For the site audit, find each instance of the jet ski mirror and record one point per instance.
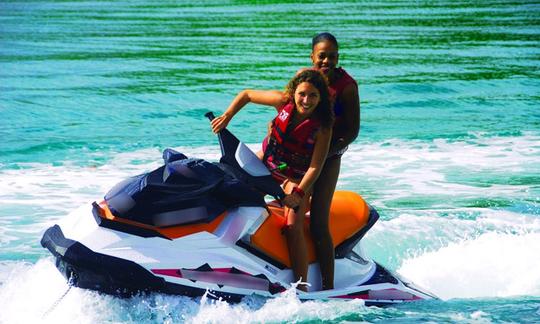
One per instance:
(240, 161)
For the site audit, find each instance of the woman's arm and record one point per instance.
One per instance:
(351, 117)
(322, 143)
(272, 98)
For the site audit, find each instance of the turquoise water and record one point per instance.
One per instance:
(449, 149)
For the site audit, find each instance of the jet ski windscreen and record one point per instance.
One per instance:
(244, 164)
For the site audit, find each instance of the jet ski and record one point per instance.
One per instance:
(193, 227)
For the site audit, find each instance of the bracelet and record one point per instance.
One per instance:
(298, 191)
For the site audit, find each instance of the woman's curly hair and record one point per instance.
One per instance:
(324, 111)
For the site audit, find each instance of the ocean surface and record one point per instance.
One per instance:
(91, 92)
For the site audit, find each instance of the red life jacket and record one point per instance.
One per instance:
(336, 90)
(294, 147)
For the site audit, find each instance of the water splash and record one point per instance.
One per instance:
(84, 306)
(491, 265)
(285, 308)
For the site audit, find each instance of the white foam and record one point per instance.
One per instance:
(29, 293)
(28, 290)
(398, 168)
(493, 264)
(410, 235)
(285, 308)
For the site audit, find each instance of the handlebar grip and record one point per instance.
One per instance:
(210, 115)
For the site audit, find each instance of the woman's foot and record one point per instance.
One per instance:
(303, 287)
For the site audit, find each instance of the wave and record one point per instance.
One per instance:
(485, 172)
(491, 265)
(45, 303)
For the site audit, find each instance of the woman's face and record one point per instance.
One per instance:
(306, 98)
(325, 57)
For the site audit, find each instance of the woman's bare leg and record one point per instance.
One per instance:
(323, 191)
(296, 243)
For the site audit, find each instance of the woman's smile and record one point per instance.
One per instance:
(306, 97)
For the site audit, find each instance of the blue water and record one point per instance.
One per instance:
(449, 149)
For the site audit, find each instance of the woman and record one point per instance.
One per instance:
(325, 57)
(295, 149)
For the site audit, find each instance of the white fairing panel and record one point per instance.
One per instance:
(218, 250)
(250, 162)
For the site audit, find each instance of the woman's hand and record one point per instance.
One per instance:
(292, 200)
(220, 122)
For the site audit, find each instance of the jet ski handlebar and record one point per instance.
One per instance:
(245, 164)
(210, 115)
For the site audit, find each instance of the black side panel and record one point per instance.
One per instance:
(346, 246)
(112, 275)
(97, 271)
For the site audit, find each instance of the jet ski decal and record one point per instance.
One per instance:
(230, 277)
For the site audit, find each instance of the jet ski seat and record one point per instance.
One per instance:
(105, 218)
(180, 217)
(349, 214)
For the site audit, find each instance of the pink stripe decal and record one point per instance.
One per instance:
(176, 272)
(167, 272)
(352, 296)
(228, 270)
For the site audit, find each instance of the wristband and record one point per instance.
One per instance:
(298, 191)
